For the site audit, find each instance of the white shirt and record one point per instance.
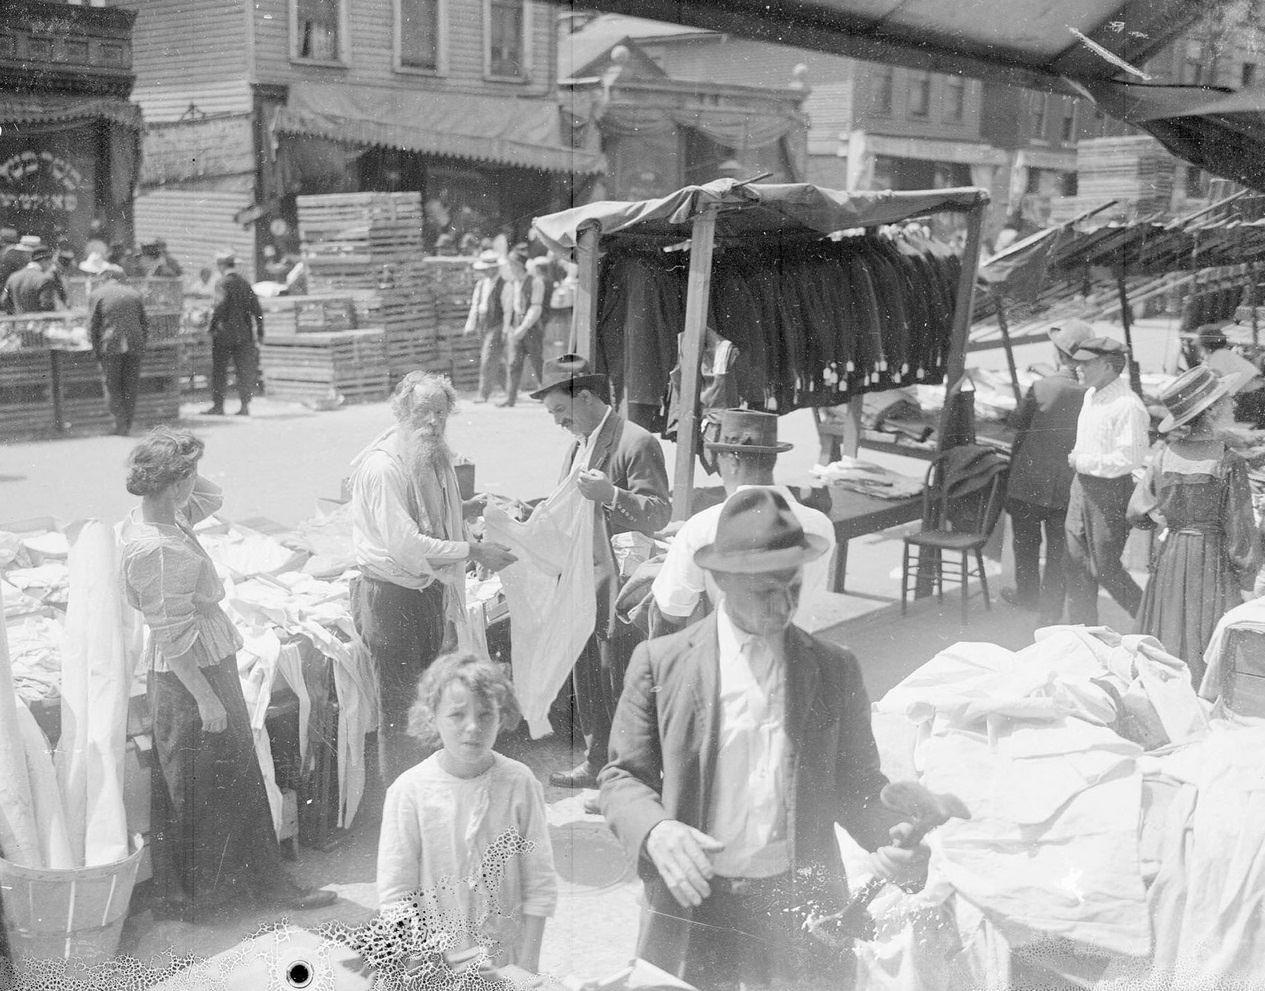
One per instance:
(390, 542)
(1111, 432)
(680, 581)
(585, 456)
(748, 812)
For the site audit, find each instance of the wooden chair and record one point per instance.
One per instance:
(948, 546)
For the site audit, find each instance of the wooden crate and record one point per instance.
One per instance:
(333, 207)
(321, 367)
(288, 315)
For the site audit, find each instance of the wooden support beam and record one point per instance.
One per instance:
(702, 239)
(584, 313)
(956, 362)
(1126, 321)
(1002, 325)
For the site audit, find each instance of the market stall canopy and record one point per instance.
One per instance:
(1221, 131)
(53, 108)
(746, 211)
(511, 132)
(1024, 42)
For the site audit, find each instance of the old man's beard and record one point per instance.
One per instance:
(426, 453)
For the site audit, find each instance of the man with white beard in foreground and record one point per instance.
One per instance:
(408, 531)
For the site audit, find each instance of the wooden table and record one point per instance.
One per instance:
(855, 515)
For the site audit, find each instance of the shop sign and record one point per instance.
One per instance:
(39, 181)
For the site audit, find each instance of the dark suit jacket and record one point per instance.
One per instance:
(633, 460)
(116, 313)
(236, 313)
(29, 290)
(664, 744)
(1045, 425)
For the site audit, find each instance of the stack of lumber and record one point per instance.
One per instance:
(1134, 169)
(326, 369)
(287, 315)
(452, 284)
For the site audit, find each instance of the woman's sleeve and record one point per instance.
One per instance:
(1242, 538)
(206, 498)
(540, 884)
(163, 578)
(399, 848)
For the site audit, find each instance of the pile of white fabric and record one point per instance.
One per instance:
(868, 478)
(1114, 840)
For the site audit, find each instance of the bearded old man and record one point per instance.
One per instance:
(408, 531)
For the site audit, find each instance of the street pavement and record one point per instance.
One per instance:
(280, 463)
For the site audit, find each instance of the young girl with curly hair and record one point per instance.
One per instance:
(465, 841)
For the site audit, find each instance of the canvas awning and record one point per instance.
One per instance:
(521, 133)
(751, 211)
(42, 109)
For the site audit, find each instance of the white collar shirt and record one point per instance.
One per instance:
(1112, 432)
(749, 803)
(587, 446)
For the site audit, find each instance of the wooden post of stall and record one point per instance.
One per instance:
(584, 313)
(700, 283)
(1000, 302)
(955, 365)
(1126, 321)
(1253, 298)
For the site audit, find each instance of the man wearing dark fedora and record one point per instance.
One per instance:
(32, 288)
(619, 468)
(1040, 477)
(237, 321)
(746, 450)
(738, 744)
(1112, 439)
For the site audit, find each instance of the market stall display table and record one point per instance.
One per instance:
(855, 514)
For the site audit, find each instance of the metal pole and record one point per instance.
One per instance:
(1126, 320)
(702, 239)
(1000, 302)
(584, 313)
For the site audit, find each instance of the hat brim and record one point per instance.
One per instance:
(1223, 388)
(760, 562)
(591, 382)
(780, 448)
(484, 266)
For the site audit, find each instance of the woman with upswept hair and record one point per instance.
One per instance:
(211, 832)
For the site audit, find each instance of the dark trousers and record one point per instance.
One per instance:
(1096, 531)
(122, 384)
(245, 358)
(530, 347)
(598, 678)
(212, 837)
(1027, 522)
(491, 364)
(404, 629)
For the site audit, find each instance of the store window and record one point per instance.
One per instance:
(506, 30)
(881, 91)
(317, 30)
(1247, 75)
(1067, 132)
(954, 98)
(1039, 108)
(420, 35)
(919, 94)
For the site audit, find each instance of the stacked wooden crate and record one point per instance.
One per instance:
(452, 283)
(369, 245)
(326, 369)
(1134, 169)
(287, 315)
(84, 402)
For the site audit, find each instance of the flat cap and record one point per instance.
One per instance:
(1096, 347)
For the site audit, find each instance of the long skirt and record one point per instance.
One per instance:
(1191, 586)
(211, 830)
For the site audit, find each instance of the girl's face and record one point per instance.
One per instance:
(467, 728)
(183, 489)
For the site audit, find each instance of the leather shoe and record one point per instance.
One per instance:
(303, 899)
(1011, 596)
(504, 404)
(580, 776)
(213, 411)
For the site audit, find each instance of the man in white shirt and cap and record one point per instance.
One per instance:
(486, 316)
(1112, 439)
(746, 451)
(408, 532)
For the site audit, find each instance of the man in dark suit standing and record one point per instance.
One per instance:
(619, 467)
(1040, 478)
(738, 744)
(237, 321)
(32, 288)
(119, 331)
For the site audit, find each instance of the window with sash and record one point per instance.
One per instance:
(317, 30)
(419, 35)
(506, 37)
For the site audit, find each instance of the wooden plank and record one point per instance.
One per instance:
(955, 365)
(584, 312)
(702, 241)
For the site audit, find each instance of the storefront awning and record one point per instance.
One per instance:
(521, 133)
(52, 108)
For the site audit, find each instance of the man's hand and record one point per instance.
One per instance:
(470, 508)
(494, 557)
(680, 854)
(904, 867)
(596, 486)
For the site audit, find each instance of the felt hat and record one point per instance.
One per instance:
(486, 260)
(94, 264)
(757, 533)
(1096, 347)
(748, 431)
(42, 253)
(568, 369)
(112, 271)
(1068, 335)
(225, 258)
(151, 249)
(1190, 394)
(1208, 334)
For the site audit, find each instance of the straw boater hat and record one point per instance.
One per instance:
(1234, 368)
(1190, 394)
(749, 432)
(1070, 334)
(1096, 347)
(31, 241)
(757, 533)
(568, 369)
(486, 260)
